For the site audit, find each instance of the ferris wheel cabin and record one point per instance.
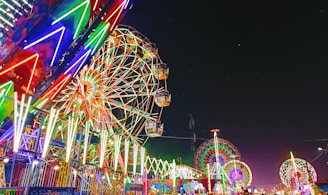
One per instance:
(160, 71)
(154, 128)
(163, 98)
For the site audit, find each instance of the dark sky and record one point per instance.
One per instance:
(255, 69)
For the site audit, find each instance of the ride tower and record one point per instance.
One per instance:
(216, 170)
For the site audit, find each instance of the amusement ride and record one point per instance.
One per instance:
(81, 94)
(298, 175)
(221, 161)
(77, 90)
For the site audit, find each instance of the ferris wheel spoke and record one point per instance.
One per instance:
(117, 122)
(134, 110)
(119, 80)
(114, 96)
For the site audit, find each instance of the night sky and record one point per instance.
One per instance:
(255, 69)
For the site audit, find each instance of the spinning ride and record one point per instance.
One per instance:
(296, 173)
(238, 172)
(206, 153)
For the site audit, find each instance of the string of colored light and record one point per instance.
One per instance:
(208, 178)
(50, 128)
(103, 146)
(126, 155)
(135, 156)
(142, 160)
(174, 177)
(86, 141)
(117, 144)
(71, 130)
(19, 119)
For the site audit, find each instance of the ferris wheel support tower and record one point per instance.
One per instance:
(216, 170)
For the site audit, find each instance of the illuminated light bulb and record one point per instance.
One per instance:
(56, 167)
(5, 160)
(35, 162)
(92, 175)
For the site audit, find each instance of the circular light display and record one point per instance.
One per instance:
(206, 153)
(304, 173)
(238, 172)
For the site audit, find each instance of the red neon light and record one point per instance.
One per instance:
(33, 70)
(20, 63)
(56, 88)
(116, 13)
(95, 4)
(25, 70)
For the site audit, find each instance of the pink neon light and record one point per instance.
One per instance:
(67, 78)
(119, 9)
(60, 85)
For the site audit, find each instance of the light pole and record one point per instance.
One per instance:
(217, 169)
(322, 149)
(325, 150)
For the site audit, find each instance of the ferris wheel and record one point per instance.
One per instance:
(206, 153)
(297, 171)
(122, 91)
(238, 172)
